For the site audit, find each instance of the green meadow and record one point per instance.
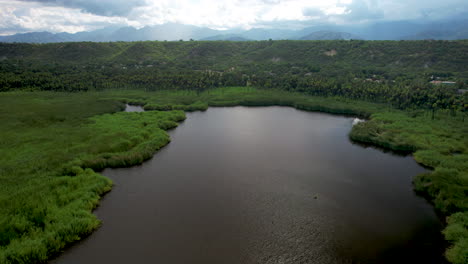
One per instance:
(53, 145)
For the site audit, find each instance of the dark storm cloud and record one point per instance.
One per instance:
(97, 7)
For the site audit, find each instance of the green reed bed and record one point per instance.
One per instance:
(50, 144)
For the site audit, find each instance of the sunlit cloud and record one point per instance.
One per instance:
(23, 17)
(78, 15)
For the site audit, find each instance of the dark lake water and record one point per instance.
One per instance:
(263, 185)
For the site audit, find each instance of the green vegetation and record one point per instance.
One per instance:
(440, 144)
(50, 144)
(437, 142)
(392, 72)
(392, 57)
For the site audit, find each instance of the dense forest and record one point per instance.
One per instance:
(395, 72)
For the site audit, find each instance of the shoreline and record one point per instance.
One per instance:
(375, 131)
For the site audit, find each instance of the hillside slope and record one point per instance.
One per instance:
(330, 35)
(398, 56)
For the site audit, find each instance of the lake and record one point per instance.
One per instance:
(264, 185)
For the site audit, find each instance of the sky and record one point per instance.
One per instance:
(19, 16)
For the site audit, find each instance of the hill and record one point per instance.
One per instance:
(329, 35)
(438, 35)
(353, 56)
(389, 30)
(229, 37)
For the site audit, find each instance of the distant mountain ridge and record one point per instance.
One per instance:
(438, 35)
(228, 37)
(161, 32)
(390, 30)
(329, 35)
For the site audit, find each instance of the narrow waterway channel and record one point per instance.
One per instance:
(263, 185)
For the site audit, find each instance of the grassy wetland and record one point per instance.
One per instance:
(50, 145)
(52, 149)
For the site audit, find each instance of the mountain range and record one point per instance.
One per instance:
(391, 30)
(329, 35)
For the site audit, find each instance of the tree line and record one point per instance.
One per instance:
(397, 73)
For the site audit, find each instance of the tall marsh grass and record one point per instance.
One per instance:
(51, 143)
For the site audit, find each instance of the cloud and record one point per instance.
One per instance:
(271, 1)
(362, 10)
(75, 15)
(313, 12)
(97, 7)
(23, 17)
